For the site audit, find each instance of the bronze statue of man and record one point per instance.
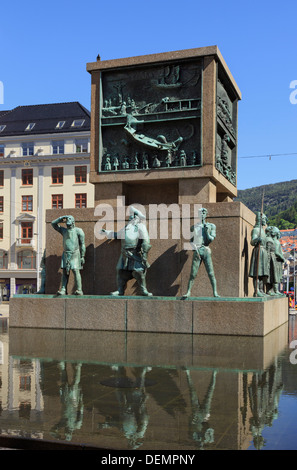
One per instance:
(135, 245)
(203, 234)
(280, 259)
(272, 279)
(259, 267)
(73, 257)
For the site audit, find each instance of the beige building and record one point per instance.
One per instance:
(44, 164)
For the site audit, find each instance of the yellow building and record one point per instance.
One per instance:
(44, 164)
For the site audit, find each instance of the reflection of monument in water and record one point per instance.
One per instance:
(140, 392)
(163, 135)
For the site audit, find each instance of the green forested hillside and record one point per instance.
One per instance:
(280, 202)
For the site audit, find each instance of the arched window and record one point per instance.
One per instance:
(3, 259)
(26, 259)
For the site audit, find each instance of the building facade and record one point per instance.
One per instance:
(44, 164)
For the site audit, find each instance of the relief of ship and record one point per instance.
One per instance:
(170, 78)
(160, 143)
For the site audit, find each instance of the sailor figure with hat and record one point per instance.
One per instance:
(135, 245)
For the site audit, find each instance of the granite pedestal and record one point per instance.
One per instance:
(216, 316)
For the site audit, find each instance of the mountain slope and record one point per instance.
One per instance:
(280, 202)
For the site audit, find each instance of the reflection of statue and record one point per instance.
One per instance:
(131, 399)
(203, 234)
(73, 254)
(43, 274)
(71, 399)
(259, 260)
(135, 247)
(200, 431)
(264, 393)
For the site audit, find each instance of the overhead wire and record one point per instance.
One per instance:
(269, 155)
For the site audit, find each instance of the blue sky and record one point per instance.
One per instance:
(45, 47)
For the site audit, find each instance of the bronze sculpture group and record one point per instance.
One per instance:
(265, 266)
(267, 258)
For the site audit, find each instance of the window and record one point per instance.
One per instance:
(80, 173)
(27, 203)
(1, 231)
(27, 232)
(60, 124)
(26, 259)
(1, 203)
(2, 127)
(81, 200)
(28, 149)
(2, 148)
(27, 176)
(1, 177)
(30, 126)
(25, 382)
(81, 146)
(57, 175)
(77, 123)
(58, 147)
(57, 201)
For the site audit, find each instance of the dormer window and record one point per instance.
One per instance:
(2, 127)
(60, 124)
(30, 126)
(77, 123)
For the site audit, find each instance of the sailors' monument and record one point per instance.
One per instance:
(164, 140)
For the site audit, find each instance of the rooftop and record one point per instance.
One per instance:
(44, 119)
(288, 240)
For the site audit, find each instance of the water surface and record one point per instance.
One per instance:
(117, 390)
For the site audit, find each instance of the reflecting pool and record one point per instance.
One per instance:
(117, 390)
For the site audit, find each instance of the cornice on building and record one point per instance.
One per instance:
(43, 159)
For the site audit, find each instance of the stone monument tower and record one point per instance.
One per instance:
(169, 120)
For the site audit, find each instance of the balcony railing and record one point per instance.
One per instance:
(25, 242)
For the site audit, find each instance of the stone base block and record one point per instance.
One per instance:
(212, 316)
